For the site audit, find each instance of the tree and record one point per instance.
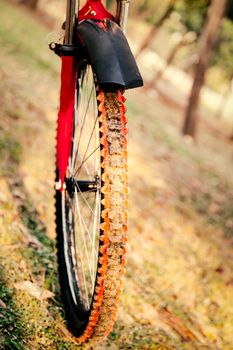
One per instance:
(207, 42)
(186, 39)
(33, 4)
(155, 28)
(193, 14)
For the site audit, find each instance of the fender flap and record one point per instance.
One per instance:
(109, 53)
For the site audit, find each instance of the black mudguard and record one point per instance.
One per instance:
(109, 53)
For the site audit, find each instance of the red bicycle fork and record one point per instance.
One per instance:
(93, 10)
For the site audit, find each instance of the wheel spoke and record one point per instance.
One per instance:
(83, 273)
(82, 223)
(85, 159)
(82, 126)
(96, 217)
(85, 200)
(92, 232)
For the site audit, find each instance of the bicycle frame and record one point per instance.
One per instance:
(97, 66)
(70, 21)
(109, 55)
(93, 9)
(122, 13)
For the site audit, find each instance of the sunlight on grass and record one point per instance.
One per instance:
(178, 283)
(22, 37)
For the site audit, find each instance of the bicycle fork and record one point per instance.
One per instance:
(108, 53)
(72, 9)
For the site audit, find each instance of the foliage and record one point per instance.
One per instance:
(193, 16)
(10, 326)
(193, 13)
(151, 11)
(109, 2)
(224, 50)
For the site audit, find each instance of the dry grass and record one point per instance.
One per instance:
(178, 286)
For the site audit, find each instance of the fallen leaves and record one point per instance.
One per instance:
(176, 324)
(2, 304)
(34, 290)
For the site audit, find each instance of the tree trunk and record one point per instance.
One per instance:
(154, 30)
(184, 41)
(207, 42)
(33, 4)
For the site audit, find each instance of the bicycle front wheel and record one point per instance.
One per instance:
(91, 213)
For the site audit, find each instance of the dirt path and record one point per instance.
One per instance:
(179, 283)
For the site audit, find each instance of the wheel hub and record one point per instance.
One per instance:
(82, 185)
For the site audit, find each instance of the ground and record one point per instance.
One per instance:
(178, 285)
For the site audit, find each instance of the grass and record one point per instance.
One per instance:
(26, 40)
(36, 323)
(205, 198)
(179, 272)
(11, 325)
(9, 147)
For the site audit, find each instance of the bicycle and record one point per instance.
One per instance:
(91, 168)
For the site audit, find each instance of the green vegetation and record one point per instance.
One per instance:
(193, 14)
(11, 325)
(224, 52)
(25, 41)
(178, 284)
(9, 148)
(190, 17)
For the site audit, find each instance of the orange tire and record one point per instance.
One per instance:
(91, 240)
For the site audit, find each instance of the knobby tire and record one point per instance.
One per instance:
(97, 321)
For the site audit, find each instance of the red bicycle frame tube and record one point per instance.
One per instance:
(94, 9)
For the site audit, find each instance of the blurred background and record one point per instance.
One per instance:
(178, 287)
